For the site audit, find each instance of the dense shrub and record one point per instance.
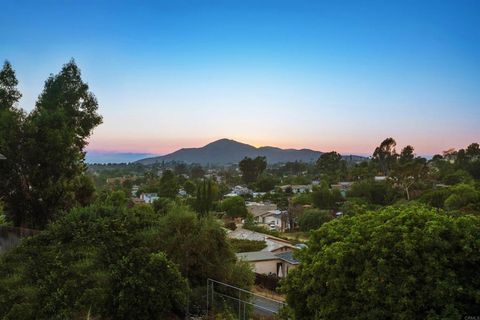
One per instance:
(378, 193)
(324, 198)
(75, 266)
(403, 262)
(312, 219)
(110, 262)
(234, 207)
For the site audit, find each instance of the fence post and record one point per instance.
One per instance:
(213, 297)
(207, 295)
(239, 304)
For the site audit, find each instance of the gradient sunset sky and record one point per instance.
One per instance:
(326, 75)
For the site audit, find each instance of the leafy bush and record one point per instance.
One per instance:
(463, 197)
(80, 264)
(354, 206)
(113, 262)
(163, 205)
(312, 219)
(266, 183)
(147, 286)
(324, 198)
(379, 193)
(406, 262)
(302, 199)
(436, 197)
(459, 176)
(234, 207)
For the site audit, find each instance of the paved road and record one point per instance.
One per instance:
(266, 306)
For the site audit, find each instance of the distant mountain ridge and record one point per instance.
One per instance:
(226, 151)
(105, 157)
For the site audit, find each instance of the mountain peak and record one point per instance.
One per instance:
(228, 151)
(223, 141)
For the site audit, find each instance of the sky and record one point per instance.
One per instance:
(325, 75)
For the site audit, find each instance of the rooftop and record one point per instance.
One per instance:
(266, 256)
(288, 256)
(256, 256)
(273, 243)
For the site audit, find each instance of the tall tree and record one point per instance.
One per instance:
(385, 155)
(409, 170)
(46, 147)
(168, 185)
(252, 168)
(331, 165)
(205, 197)
(12, 176)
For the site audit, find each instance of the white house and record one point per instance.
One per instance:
(264, 262)
(239, 191)
(149, 197)
(298, 188)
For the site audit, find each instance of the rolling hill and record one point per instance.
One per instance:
(226, 151)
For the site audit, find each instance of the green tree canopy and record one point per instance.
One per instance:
(234, 207)
(168, 185)
(98, 260)
(324, 198)
(45, 148)
(312, 219)
(114, 262)
(407, 262)
(409, 170)
(332, 166)
(190, 187)
(199, 246)
(385, 155)
(266, 183)
(252, 168)
(374, 192)
(207, 193)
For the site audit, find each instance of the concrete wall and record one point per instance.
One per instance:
(270, 266)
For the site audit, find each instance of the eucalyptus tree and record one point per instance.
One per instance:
(45, 149)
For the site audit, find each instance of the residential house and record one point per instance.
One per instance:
(149, 197)
(297, 188)
(269, 263)
(239, 191)
(274, 244)
(275, 219)
(257, 209)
